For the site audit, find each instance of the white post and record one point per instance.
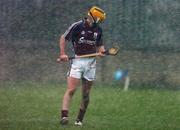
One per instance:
(126, 84)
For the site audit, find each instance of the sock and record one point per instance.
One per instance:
(81, 115)
(64, 113)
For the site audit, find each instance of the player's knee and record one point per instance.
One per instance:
(71, 92)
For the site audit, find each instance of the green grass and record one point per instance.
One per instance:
(31, 106)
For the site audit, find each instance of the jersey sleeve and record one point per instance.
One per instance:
(69, 32)
(100, 39)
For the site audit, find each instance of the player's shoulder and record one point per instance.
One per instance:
(99, 29)
(76, 24)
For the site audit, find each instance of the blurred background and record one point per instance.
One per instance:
(147, 32)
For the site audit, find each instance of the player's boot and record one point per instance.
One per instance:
(78, 123)
(64, 121)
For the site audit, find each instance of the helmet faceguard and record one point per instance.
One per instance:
(97, 14)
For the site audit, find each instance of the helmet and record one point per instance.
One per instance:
(97, 14)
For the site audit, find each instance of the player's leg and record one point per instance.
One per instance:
(89, 69)
(71, 88)
(74, 76)
(86, 87)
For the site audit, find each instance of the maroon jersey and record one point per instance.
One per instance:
(85, 39)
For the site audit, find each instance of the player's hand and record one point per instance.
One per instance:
(63, 57)
(101, 54)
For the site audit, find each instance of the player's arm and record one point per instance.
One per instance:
(65, 37)
(100, 45)
(62, 45)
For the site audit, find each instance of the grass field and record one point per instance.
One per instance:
(32, 106)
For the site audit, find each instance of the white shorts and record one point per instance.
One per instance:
(83, 68)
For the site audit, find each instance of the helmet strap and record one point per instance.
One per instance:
(98, 19)
(92, 17)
